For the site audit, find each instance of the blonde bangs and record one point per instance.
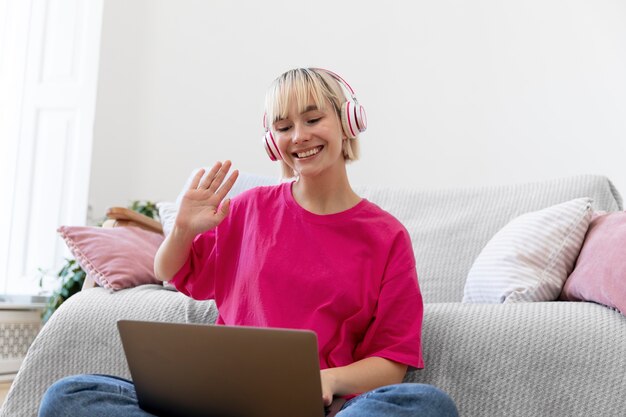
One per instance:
(301, 85)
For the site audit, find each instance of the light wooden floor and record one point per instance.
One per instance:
(4, 389)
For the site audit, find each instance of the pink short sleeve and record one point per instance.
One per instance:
(395, 332)
(196, 278)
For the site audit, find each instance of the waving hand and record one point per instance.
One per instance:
(202, 208)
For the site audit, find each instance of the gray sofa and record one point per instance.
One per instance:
(530, 359)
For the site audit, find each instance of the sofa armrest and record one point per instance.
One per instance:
(82, 337)
(527, 359)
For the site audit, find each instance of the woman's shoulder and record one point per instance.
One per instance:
(382, 217)
(386, 223)
(390, 234)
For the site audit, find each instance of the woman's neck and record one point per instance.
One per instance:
(325, 194)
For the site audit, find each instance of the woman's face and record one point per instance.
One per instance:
(310, 141)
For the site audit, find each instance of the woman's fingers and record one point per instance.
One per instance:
(225, 188)
(208, 178)
(213, 181)
(196, 179)
(219, 177)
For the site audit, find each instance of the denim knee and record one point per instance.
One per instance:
(406, 399)
(438, 399)
(73, 393)
(57, 400)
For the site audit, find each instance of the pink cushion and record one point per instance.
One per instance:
(600, 271)
(115, 258)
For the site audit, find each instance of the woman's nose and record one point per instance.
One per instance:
(300, 134)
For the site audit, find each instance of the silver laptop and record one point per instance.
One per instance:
(205, 370)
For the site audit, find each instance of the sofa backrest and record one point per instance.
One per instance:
(449, 227)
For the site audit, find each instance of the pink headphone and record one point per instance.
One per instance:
(353, 118)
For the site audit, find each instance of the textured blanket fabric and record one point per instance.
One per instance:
(528, 359)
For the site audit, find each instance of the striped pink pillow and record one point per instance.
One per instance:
(530, 258)
(600, 272)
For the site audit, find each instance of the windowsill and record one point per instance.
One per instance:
(22, 302)
(6, 379)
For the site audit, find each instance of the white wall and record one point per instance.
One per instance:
(457, 92)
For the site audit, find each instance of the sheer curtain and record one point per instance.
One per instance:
(48, 78)
(13, 45)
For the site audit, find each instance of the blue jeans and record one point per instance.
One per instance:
(107, 396)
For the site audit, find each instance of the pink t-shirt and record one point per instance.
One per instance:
(350, 276)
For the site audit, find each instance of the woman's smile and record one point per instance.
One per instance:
(309, 153)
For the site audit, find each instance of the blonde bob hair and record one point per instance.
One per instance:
(301, 84)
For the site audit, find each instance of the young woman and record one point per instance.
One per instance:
(306, 254)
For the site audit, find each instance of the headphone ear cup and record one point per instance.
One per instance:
(270, 146)
(353, 119)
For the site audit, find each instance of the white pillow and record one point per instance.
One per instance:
(167, 215)
(531, 257)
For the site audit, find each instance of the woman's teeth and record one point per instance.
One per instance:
(309, 153)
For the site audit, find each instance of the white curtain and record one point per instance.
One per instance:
(48, 69)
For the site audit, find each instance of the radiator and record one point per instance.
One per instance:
(18, 329)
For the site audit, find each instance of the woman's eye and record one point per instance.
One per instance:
(282, 128)
(312, 121)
